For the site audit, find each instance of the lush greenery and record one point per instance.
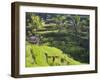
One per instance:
(35, 56)
(56, 39)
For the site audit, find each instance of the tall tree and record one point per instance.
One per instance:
(60, 21)
(35, 23)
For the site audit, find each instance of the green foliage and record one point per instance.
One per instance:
(60, 21)
(35, 23)
(40, 58)
(68, 33)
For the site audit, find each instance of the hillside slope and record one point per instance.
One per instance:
(47, 56)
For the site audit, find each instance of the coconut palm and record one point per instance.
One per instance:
(35, 23)
(60, 21)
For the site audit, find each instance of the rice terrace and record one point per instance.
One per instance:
(54, 39)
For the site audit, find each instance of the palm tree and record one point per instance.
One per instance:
(78, 23)
(78, 26)
(60, 21)
(35, 23)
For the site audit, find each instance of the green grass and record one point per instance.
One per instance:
(35, 56)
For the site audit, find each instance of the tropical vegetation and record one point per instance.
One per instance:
(56, 39)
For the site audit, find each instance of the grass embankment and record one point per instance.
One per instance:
(46, 56)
